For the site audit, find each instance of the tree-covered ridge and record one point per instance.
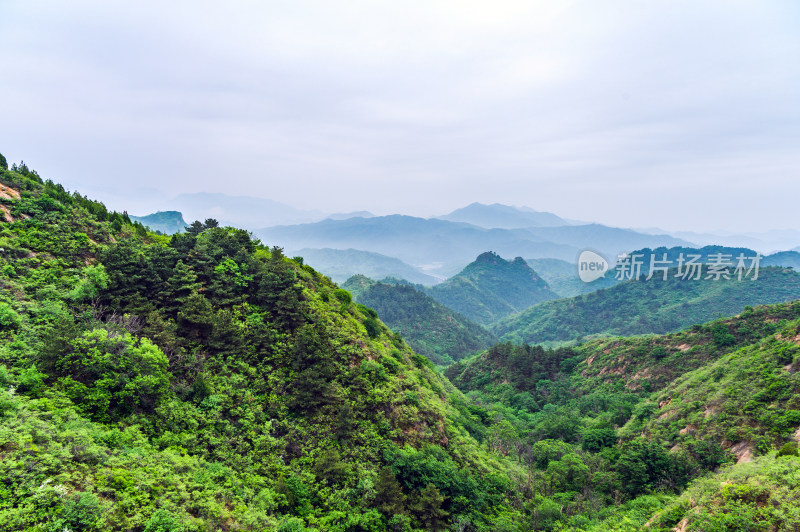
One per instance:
(562, 276)
(207, 382)
(429, 327)
(491, 287)
(786, 259)
(647, 306)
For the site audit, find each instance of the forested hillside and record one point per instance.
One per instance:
(647, 306)
(429, 327)
(206, 382)
(491, 287)
(638, 419)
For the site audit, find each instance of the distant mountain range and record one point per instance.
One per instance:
(436, 248)
(503, 217)
(765, 242)
(341, 264)
(346, 215)
(257, 213)
(563, 277)
(441, 247)
(787, 259)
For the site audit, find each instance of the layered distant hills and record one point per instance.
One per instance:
(341, 264)
(503, 217)
(437, 248)
(444, 247)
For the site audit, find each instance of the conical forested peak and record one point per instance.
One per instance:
(491, 287)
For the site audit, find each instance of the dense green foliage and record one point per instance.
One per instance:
(491, 287)
(429, 327)
(642, 306)
(644, 416)
(758, 495)
(205, 382)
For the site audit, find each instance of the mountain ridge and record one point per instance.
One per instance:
(501, 216)
(491, 287)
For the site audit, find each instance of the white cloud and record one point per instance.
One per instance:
(418, 106)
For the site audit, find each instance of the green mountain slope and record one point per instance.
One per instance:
(492, 287)
(167, 222)
(638, 419)
(787, 259)
(641, 307)
(205, 382)
(429, 327)
(749, 397)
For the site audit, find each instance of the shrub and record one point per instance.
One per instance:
(343, 296)
(789, 449)
(9, 319)
(164, 521)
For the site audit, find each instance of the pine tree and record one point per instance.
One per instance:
(181, 284)
(389, 498)
(428, 508)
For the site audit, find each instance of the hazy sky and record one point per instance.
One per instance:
(678, 114)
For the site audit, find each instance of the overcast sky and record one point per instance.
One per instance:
(677, 114)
